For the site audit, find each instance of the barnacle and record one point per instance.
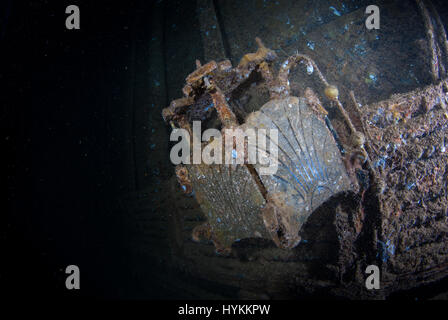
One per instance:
(358, 139)
(331, 92)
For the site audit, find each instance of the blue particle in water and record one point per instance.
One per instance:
(335, 11)
(310, 44)
(209, 106)
(309, 69)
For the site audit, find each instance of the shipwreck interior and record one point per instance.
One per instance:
(89, 176)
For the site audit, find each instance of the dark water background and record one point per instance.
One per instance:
(84, 134)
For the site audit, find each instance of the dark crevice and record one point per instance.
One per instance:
(134, 110)
(258, 181)
(225, 40)
(427, 291)
(164, 47)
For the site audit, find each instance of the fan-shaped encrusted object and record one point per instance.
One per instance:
(241, 200)
(231, 200)
(310, 169)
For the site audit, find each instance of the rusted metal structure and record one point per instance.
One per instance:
(241, 202)
(391, 210)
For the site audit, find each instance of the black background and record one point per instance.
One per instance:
(63, 96)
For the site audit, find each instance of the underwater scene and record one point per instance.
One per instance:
(228, 149)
